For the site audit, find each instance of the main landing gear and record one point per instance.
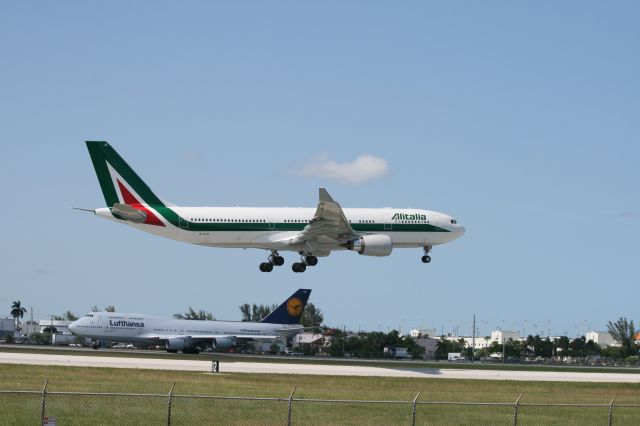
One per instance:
(426, 258)
(274, 259)
(306, 261)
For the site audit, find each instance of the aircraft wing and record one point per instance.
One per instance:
(329, 222)
(207, 336)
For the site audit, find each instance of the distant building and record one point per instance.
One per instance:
(268, 346)
(428, 332)
(600, 337)
(429, 344)
(62, 327)
(502, 336)
(321, 342)
(481, 342)
(7, 327)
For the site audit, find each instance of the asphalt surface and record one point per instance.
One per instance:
(313, 369)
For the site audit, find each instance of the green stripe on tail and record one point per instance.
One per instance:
(102, 153)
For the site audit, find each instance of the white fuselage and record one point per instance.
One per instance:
(131, 327)
(274, 228)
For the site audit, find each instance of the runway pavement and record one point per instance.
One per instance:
(317, 369)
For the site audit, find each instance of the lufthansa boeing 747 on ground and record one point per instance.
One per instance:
(189, 336)
(310, 232)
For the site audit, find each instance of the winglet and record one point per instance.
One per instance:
(324, 196)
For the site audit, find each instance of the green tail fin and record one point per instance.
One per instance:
(117, 179)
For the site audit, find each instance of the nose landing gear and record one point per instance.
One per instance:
(426, 258)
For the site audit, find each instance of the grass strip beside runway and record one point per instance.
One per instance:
(139, 410)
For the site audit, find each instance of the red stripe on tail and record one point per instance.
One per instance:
(129, 199)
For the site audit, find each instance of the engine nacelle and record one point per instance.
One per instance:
(224, 342)
(372, 245)
(174, 345)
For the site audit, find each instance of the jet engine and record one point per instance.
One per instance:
(223, 342)
(371, 245)
(175, 345)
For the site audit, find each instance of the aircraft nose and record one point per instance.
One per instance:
(73, 327)
(459, 231)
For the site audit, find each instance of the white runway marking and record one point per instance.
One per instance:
(317, 369)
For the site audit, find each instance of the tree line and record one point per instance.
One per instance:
(622, 331)
(372, 344)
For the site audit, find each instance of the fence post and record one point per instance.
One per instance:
(44, 401)
(289, 406)
(515, 410)
(169, 404)
(611, 409)
(413, 417)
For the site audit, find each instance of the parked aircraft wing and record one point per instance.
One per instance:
(207, 336)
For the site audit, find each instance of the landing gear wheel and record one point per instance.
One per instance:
(266, 267)
(311, 260)
(299, 267)
(426, 258)
(278, 260)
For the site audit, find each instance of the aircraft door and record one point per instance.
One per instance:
(105, 325)
(183, 224)
(388, 226)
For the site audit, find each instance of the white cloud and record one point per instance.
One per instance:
(363, 169)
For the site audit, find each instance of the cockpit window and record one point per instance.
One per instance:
(89, 315)
(453, 221)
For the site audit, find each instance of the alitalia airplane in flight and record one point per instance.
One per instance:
(310, 232)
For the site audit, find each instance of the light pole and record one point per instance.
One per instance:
(344, 337)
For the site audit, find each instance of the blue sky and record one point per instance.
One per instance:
(520, 119)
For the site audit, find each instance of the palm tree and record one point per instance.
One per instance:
(255, 313)
(623, 332)
(312, 316)
(191, 314)
(69, 316)
(17, 312)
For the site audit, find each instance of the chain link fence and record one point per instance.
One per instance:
(32, 407)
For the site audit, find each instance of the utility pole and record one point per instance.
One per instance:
(473, 340)
(504, 347)
(344, 337)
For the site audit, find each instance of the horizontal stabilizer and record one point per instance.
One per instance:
(84, 210)
(126, 212)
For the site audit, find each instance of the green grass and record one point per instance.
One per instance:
(75, 409)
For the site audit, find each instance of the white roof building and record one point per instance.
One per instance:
(62, 327)
(499, 336)
(502, 336)
(600, 337)
(428, 332)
